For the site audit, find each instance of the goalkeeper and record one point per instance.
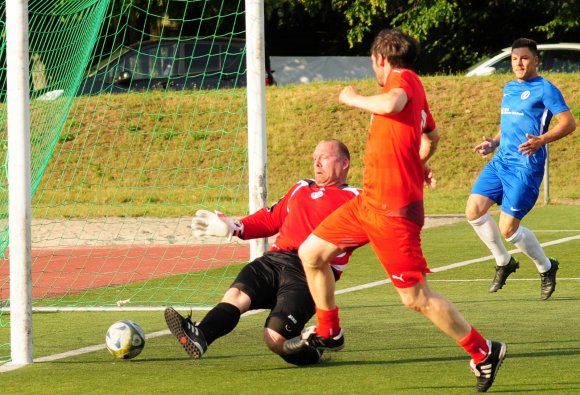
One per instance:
(275, 281)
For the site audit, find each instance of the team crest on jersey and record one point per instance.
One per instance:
(316, 195)
(525, 95)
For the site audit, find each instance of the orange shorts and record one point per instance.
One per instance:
(395, 240)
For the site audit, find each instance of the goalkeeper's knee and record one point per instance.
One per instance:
(308, 356)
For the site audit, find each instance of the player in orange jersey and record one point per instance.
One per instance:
(389, 213)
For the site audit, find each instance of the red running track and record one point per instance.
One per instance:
(58, 271)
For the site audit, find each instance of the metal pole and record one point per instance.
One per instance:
(19, 181)
(256, 91)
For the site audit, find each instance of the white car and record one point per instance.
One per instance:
(556, 58)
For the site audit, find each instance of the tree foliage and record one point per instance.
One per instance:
(566, 19)
(453, 33)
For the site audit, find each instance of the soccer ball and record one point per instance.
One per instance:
(125, 339)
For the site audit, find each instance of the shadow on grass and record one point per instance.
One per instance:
(540, 387)
(330, 362)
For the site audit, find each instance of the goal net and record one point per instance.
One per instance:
(138, 118)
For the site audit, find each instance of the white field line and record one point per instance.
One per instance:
(556, 230)
(454, 265)
(8, 366)
(476, 280)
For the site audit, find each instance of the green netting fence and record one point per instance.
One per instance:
(138, 119)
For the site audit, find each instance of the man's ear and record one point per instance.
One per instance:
(345, 164)
(380, 60)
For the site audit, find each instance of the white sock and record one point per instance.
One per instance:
(526, 241)
(487, 230)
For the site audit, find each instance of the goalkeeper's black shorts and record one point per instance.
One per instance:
(276, 281)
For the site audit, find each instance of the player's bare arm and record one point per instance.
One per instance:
(488, 145)
(391, 102)
(429, 142)
(566, 125)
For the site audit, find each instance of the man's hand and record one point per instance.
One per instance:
(486, 147)
(430, 181)
(531, 146)
(348, 95)
(208, 224)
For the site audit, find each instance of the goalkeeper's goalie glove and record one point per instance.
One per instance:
(216, 224)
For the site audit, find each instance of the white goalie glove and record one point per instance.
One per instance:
(214, 224)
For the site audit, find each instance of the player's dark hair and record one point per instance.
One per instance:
(397, 47)
(342, 148)
(526, 43)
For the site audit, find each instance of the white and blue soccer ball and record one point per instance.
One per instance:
(125, 339)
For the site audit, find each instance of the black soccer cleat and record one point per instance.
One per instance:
(187, 333)
(502, 273)
(486, 370)
(304, 357)
(295, 345)
(309, 338)
(548, 280)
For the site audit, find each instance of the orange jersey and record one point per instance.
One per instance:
(393, 172)
(395, 240)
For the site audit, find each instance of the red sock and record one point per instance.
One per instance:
(328, 322)
(475, 345)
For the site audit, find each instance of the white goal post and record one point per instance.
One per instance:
(256, 67)
(19, 188)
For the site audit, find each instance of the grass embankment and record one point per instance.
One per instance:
(167, 155)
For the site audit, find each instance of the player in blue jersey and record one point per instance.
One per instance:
(512, 178)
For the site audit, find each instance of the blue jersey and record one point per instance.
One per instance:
(527, 107)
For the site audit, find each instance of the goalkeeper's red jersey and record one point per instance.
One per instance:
(296, 215)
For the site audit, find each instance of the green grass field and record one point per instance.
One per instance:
(390, 349)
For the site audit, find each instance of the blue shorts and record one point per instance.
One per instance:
(514, 188)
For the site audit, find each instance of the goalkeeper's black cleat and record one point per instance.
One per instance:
(304, 357)
(295, 345)
(309, 338)
(187, 333)
(548, 280)
(502, 273)
(486, 370)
